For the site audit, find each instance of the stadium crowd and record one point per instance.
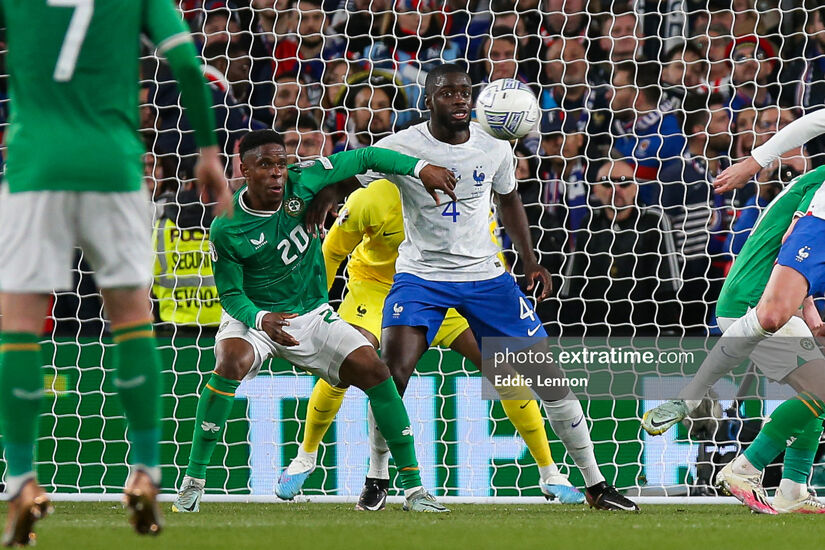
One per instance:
(642, 106)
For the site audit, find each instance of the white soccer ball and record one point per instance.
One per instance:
(507, 109)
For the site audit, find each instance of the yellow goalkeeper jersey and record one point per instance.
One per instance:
(369, 228)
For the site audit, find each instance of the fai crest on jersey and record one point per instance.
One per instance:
(294, 206)
(807, 344)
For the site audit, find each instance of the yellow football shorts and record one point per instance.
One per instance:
(363, 307)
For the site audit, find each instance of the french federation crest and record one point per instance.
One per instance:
(294, 206)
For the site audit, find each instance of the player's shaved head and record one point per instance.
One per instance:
(435, 78)
(253, 140)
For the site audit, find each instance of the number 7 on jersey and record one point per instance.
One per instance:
(75, 35)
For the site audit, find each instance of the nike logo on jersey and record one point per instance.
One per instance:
(532, 331)
(658, 424)
(577, 422)
(393, 233)
(259, 242)
(526, 403)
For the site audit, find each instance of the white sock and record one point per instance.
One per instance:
(732, 348)
(792, 490)
(302, 462)
(545, 472)
(742, 466)
(567, 421)
(379, 451)
(15, 483)
(153, 472)
(408, 492)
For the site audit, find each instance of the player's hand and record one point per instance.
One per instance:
(272, 324)
(210, 174)
(534, 271)
(436, 178)
(736, 175)
(325, 202)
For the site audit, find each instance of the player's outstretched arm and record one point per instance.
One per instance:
(514, 220)
(795, 134)
(166, 29)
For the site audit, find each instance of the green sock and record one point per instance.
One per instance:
(137, 368)
(214, 407)
(394, 424)
(788, 420)
(21, 393)
(799, 456)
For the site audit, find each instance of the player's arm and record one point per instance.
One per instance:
(514, 220)
(795, 134)
(356, 216)
(166, 29)
(228, 272)
(343, 166)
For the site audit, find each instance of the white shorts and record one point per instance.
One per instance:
(324, 341)
(39, 231)
(779, 355)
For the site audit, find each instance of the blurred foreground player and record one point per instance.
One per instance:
(74, 178)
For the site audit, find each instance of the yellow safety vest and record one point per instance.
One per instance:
(184, 280)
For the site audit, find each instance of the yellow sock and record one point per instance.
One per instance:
(323, 406)
(530, 425)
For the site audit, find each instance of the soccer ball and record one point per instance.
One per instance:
(507, 109)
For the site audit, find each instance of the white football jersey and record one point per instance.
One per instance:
(817, 206)
(451, 241)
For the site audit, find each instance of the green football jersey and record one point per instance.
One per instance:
(752, 268)
(266, 261)
(74, 79)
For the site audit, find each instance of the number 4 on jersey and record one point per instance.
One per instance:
(451, 210)
(75, 35)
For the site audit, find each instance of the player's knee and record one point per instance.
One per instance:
(233, 361)
(772, 317)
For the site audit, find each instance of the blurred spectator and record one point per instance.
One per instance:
(304, 52)
(360, 22)
(233, 65)
(293, 94)
(619, 39)
(304, 139)
(753, 60)
(715, 43)
(562, 170)
(623, 277)
(219, 26)
(744, 133)
(803, 77)
(772, 119)
(497, 58)
(641, 131)
(695, 212)
(746, 217)
(275, 18)
(413, 45)
(565, 77)
(370, 106)
(683, 69)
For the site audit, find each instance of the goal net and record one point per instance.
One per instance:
(643, 104)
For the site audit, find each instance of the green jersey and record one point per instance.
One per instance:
(266, 261)
(74, 84)
(752, 268)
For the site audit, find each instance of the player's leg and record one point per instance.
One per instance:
(21, 392)
(361, 308)
(525, 415)
(362, 368)
(114, 231)
(798, 420)
(235, 357)
(38, 235)
(514, 317)
(137, 380)
(784, 293)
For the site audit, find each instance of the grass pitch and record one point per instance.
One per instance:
(93, 526)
